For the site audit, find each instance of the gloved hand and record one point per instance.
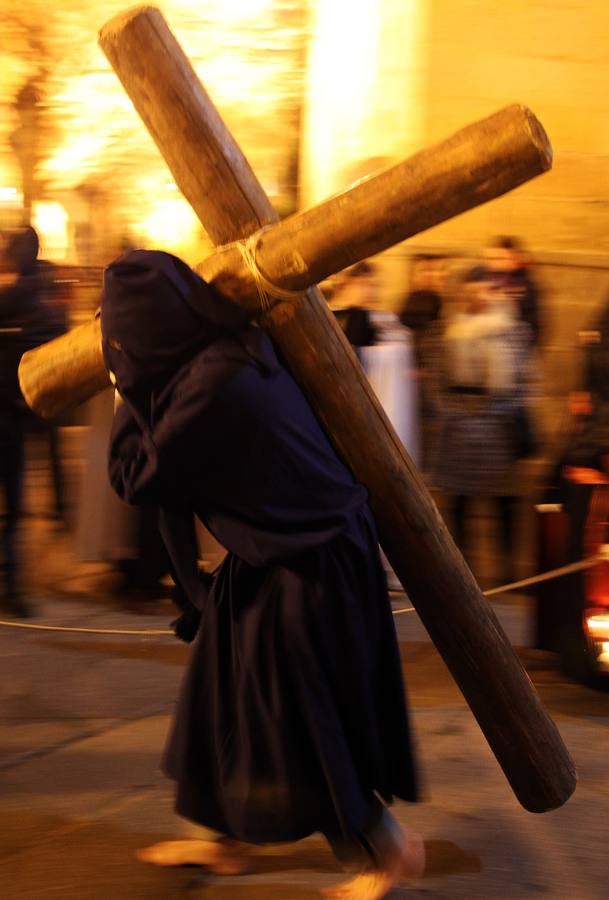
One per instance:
(186, 626)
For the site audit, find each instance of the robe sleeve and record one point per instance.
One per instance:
(148, 464)
(191, 586)
(132, 460)
(177, 528)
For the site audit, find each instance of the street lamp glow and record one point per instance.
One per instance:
(9, 195)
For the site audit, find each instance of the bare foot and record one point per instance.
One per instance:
(223, 857)
(408, 863)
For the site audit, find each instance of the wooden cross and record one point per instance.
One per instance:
(478, 163)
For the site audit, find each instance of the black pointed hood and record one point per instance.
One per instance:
(156, 313)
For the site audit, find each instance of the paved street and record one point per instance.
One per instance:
(82, 723)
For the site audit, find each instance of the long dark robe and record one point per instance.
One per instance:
(292, 712)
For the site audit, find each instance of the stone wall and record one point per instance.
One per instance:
(469, 59)
(552, 56)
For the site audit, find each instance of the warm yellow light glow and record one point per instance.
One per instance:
(171, 224)
(598, 626)
(603, 658)
(233, 10)
(233, 78)
(9, 195)
(341, 86)
(93, 151)
(74, 155)
(365, 90)
(51, 222)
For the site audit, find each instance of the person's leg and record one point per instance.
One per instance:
(384, 852)
(142, 576)
(56, 472)
(506, 508)
(459, 517)
(12, 467)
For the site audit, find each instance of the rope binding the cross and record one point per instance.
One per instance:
(266, 289)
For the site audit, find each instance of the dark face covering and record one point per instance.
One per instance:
(156, 314)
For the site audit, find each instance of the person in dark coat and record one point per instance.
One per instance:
(52, 312)
(480, 386)
(352, 304)
(510, 270)
(589, 406)
(423, 304)
(292, 717)
(422, 313)
(24, 324)
(585, 444)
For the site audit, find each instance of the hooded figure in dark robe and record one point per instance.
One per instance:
(292, 717)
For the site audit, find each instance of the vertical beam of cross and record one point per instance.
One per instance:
(216, 179)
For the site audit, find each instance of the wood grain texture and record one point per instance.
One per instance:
(64, 372)
(214, 176)
(477, 163)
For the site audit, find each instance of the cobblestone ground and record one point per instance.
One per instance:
(83, 719)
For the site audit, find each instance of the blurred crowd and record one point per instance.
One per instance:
(455, 366)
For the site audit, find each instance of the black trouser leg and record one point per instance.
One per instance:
(11, 469)
(506, 507)
(56, 472)
(461, 504)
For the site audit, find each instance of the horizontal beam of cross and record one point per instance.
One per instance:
(478, 163)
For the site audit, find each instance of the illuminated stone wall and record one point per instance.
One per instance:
(553, 57)
(365, 90)
(365, 101)
(387, 78)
